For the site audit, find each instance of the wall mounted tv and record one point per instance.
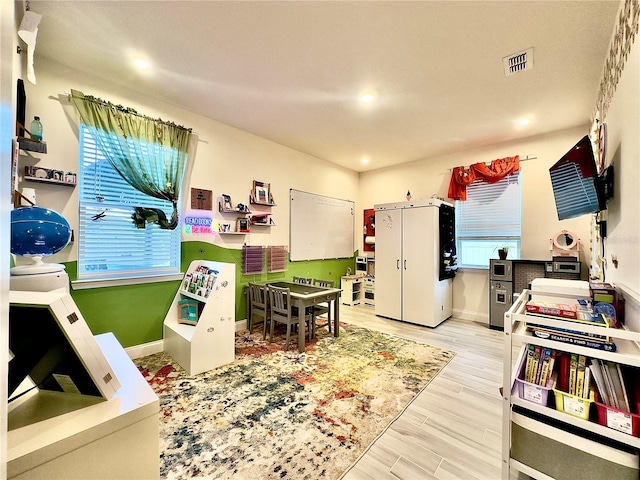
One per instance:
(574, 180)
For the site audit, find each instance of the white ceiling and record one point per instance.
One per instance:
(291, 72)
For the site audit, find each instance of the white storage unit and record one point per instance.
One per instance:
(351, 286)
(209, 342)
(92, 414)
(545, 442)
(407, 262)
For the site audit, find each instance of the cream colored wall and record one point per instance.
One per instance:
(539, 219)
(227, 160)
(623, 150)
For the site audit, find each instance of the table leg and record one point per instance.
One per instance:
(336, 315)
(301, 326)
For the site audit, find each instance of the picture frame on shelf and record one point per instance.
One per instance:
(227, 204)
(262, 193)
(242, 225)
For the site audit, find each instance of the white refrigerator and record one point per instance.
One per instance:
(408, 257)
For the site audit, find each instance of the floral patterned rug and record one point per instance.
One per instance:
(285, 415)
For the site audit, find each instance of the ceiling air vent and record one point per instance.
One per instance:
(518, 62)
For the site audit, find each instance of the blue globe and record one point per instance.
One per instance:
(37, 231)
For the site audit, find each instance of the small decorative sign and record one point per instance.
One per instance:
(198, 225)
(201, 199)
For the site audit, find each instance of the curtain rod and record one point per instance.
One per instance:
(522, 158)
(67, 96)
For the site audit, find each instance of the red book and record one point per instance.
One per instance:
(564, 364)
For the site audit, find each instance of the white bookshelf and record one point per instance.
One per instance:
(567, 437)
(210, 342)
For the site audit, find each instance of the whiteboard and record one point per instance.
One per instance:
(320, 227)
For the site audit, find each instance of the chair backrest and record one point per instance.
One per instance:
(303, 280)
(323, 283)
(279, 302)
(258, 296)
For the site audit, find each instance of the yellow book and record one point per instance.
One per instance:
(582, 363)
(573, 373)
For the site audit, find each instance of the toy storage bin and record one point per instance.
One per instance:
(530, 391)
(615, 419)
(573, 405)
(188, 310)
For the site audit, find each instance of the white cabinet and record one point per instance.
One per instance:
(351, 286)
(208, 342)
(544, 442)
(408, 287)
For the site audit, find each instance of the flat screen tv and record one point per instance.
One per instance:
(575, 184)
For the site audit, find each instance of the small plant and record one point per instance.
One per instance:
(503, 250)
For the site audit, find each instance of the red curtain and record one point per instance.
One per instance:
(497, 170)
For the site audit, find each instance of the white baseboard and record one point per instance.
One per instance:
(145, 349)
(471, 316)
(150, 348)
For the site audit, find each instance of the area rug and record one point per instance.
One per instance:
(282, 414)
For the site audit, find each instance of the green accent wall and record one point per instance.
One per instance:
(135, 313)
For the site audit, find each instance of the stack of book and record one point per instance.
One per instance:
(539, 365)
(611, 385)
(574, 376)
(574, 316)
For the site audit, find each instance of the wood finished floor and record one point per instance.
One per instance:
(452, 430)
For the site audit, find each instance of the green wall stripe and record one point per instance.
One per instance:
(135, 313)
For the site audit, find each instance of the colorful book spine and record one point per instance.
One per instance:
(536, 362)
(552, 309)
(590, 343)
(573, 373)
(582, 363)
(529, 363)
(544, 371)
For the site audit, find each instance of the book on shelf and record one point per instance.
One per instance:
(580, 375)
(547, 366)
(552, 309)
(587, 382)
(570, 331)
(607, 346)
(573, 372)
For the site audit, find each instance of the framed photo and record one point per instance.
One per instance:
(226, 202)
(242, 225)
(261, 193)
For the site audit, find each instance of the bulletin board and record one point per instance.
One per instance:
(320, 227)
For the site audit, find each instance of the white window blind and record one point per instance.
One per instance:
(109, 245)
(489, 219)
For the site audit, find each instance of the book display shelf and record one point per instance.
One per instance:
(199, 328)
(549, 432)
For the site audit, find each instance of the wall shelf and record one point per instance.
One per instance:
(233, 211)
(49, 180)
(29, 145)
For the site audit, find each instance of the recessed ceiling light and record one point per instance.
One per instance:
(523, 123)
(141, 63)
(368, 96)
(364, 160)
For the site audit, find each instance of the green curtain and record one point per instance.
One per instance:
(150, 154)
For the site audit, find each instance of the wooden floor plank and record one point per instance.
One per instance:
(452, 430)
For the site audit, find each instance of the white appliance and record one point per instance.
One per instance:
(408, 258)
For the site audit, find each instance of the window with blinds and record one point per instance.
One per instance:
(489, 219)
(110, 246)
